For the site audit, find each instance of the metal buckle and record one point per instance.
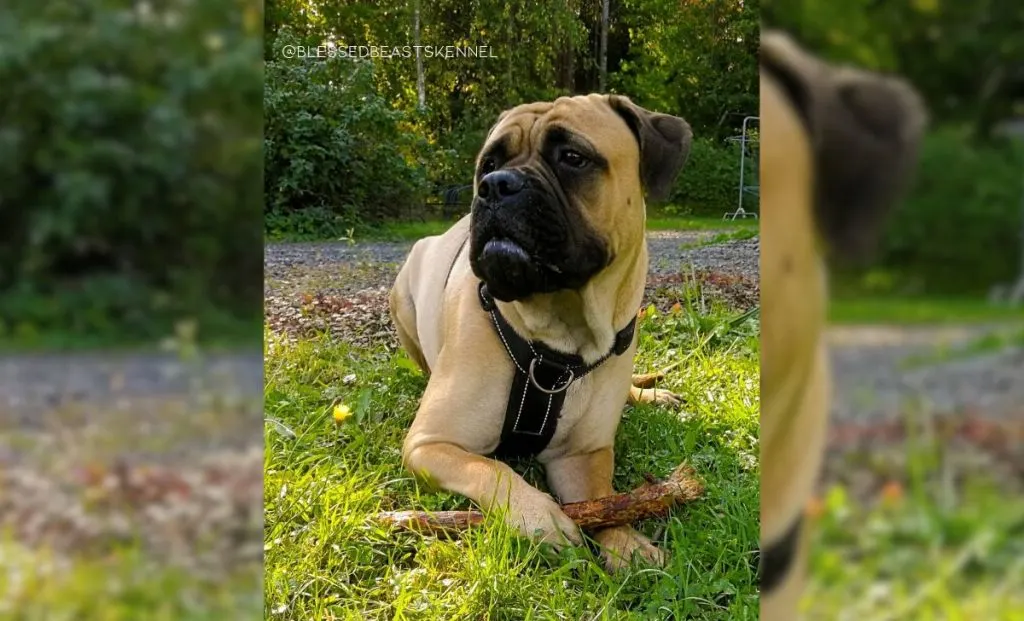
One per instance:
(555, 391)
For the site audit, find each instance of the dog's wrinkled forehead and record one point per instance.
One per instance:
(610, 129)
(587, 118)
(863, 129)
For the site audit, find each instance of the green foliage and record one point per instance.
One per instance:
(349, 143)
(928, 548)
(958, 231)
(694, 59)
(133, 587)
(959, 228)
(709, 184)
(964, 57)
(129, 166)
(336, 154)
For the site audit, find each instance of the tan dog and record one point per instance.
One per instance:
(557, 235)
(836, 147)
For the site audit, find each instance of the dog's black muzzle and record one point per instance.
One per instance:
(522, 239)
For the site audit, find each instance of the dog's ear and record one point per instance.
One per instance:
(664, 144)
(864, 130)
(867, 132)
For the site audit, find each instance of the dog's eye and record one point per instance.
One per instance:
(573, 158)
(488, 166)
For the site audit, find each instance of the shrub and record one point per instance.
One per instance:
(334, 149)
(958, 231)
(709, 184)
(129, 165)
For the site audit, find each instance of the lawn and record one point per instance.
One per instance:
(927, 519)
(324, 481)
(926, 548)
(414, 230)
(912, 557)
(125, 584)
(853, 308)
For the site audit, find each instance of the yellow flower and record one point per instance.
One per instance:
(341, 413)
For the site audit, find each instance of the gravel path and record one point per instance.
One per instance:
(33, 386)
(893, 385)
(880, 370)
(667, 250)
(342, 288)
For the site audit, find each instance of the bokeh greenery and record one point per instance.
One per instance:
(130, 170)
(958, 232)
(348, 145)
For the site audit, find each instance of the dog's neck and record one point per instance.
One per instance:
(585, 321)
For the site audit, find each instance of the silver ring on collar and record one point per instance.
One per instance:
(533, 379)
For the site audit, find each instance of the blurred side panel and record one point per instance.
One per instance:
(130, 309)
(920, 508)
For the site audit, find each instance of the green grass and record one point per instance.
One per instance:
(874, 309)
(324, 481)
(697, 223)
(214, 331)
(927, 553)
(739, 232)
(993, 341)
(121, 586)
(411, 231)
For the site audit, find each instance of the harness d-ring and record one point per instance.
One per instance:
(555, 391)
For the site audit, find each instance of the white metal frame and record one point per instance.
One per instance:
(744, 140)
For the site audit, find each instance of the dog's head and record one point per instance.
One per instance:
(849, 136)
(559, 190)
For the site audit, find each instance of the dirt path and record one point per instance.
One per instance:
(342, 288)
(99, 450)
(901, 387)
(881, 370)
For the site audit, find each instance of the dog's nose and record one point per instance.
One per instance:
(500, 184)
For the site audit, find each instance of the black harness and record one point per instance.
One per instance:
(778, 557)
(542, 377)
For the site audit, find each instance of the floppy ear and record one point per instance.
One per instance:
(664, 144)
(867, 129)
(864, 130)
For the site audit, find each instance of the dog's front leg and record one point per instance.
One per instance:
(493, 485)
(588, 476)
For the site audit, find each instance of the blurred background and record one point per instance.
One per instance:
(130, 338)
(411, 130)
(920, 513)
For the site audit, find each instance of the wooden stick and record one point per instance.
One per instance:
(653, 499)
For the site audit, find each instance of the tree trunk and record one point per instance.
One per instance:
(603, 75)
(421, 83)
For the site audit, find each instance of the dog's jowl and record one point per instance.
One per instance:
(523, 313)
(837, 145)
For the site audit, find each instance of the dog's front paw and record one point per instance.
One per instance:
(539, 517)
(658, 396)
(621, 544)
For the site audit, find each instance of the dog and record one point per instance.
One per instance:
(522, 315)
(837, 149)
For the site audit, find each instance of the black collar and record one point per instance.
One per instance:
(777, 559)
(542, 377)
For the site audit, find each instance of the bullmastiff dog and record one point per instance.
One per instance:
(523, 314)
(837, 147)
